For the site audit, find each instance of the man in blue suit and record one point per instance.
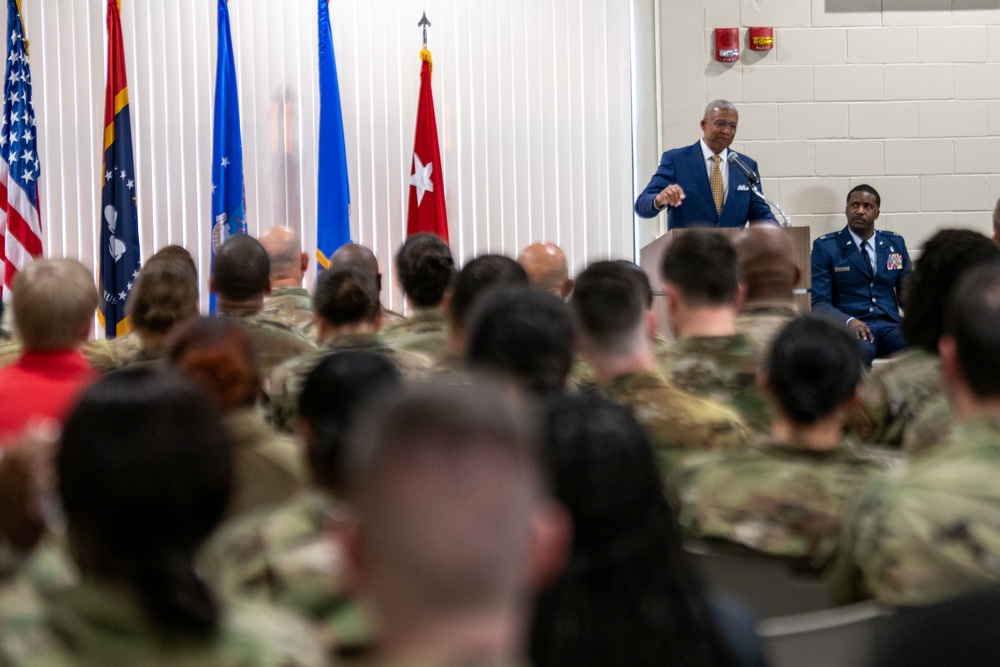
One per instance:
(698, 185)
(858, 275)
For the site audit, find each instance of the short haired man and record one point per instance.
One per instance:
(858, 276)
(425, 269)
(699, 186)
(545, 264)
(613, 327)
(996, 223)
(288, 303)
(54, 303)
(931, 532)
(701, 282)
(240, 280)
(476, 278)
(769, 275)
(453, 529)
(359, 257)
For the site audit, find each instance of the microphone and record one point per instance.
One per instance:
(735, 160)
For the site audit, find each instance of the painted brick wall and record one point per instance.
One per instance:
(901, 94)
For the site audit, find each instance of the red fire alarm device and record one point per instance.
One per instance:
(761, 39)
(727, 45)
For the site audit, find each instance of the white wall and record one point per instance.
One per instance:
(533, 105)
(902, 94)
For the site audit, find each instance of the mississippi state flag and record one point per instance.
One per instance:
(20, 222)
(427, 211)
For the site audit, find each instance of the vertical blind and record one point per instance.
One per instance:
(533, 104)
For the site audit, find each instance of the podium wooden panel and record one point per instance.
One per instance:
(650, 254)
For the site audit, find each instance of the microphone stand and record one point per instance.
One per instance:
(754, 189)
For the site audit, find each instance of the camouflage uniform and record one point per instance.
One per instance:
(929, 429)
(97, 624)
(581, 377)
(775, 498)
(677, 423)
(391, 319)
(424, 333)
(761, 321)
(291, 307)
(723, 368)
(268, 467)
(274, 343)
(931, 531)
(285, 555)
(283, 386)
(893, 395)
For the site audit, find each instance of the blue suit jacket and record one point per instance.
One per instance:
(686, 167)
(842, 284)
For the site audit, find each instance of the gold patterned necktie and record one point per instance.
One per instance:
(718, 189)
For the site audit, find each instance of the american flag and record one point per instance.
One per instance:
(20, 222)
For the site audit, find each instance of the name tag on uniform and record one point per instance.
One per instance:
(841, 269)
(742, 187)
(895, 262)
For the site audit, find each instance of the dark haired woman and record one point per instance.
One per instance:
(144, 472)
(786, 495)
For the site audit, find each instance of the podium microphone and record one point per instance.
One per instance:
(735, 160)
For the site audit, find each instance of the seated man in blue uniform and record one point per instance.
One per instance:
(699, 186)
(858, 275)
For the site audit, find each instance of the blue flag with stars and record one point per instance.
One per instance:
(228, 197)
(119, 218)
(333, 211)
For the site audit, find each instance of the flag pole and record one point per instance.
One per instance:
(425, 53)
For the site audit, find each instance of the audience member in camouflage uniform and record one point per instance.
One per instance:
(709, 358)
(348, 315)
(425, 268)
(895, 394)
(769, 275)
(932, 531)
(140, 495)
(288, 302)
(545, 264)
(240, 280)
(477, 277)
(524, 334)
(284, 554)
(452, 529)
(786, 495)
(361, 258)
(218, 355)
(613, 327)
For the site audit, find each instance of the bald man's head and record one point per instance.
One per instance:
(357, 256)
(288, 262)
(545, 264)
(764, 252)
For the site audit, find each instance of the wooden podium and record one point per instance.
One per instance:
(649, 260)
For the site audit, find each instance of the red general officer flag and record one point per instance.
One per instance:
(427, 211)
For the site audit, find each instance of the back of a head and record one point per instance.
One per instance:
(218, 354)
(545, 264)
(346, 295)
(332, 393)
(357, 256)
(813, 368)
(479, 275)
(54, 303)
(972, 319)
(703, 266)
(241, 270)
(445, 484)
(144, 472)
(523, 333)
(176, 254)
(627, 595)
(284, 253)
(642, 280)
(766, 264)
(608, 304)
(426, 268)
(946, 257)
(164, 294)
